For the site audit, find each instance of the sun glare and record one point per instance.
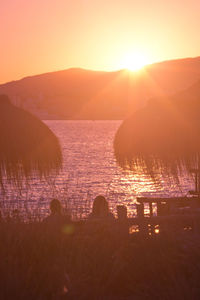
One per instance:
(134, 61)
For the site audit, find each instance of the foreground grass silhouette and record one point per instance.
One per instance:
(38, 261)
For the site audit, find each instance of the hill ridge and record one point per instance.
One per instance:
(78, 93)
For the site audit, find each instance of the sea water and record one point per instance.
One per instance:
(89, 169)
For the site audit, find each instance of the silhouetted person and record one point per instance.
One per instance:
(101, 225)
(123, 226)
(57, 228)
(100, 209)
(56, 215)
(55, 207)
(121, 212)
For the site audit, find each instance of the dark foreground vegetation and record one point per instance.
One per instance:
(85, 261)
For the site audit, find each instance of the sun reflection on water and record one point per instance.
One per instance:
(90, 169)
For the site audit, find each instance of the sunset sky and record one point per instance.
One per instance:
(39, 36)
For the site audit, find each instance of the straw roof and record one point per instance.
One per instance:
(27, 145)
(162, 138)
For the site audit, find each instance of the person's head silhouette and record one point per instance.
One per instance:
(55, 206)
(100, 207)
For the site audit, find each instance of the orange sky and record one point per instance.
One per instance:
(39, 36)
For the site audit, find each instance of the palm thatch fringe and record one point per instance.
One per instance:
(27, 146)
(162, 138)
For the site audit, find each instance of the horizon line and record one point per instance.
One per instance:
(103, 71)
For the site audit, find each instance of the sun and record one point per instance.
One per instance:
(134, 61)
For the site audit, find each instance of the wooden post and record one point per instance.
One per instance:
(140, 210)
(152, 227)
(150, 209)
(143, 227)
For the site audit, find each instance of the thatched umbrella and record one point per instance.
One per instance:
(162, 138)
(27, 145)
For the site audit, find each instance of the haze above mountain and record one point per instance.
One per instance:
(86, 94)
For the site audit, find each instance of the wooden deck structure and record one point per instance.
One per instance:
(159, 215)
(167, 206)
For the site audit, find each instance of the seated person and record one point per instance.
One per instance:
(56, 215)
(100, 209)
(101, 221)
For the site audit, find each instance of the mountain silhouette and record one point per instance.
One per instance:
(86, 94)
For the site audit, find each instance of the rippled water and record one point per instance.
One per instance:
(90, 169)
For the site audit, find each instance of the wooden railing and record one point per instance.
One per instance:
(164, 215)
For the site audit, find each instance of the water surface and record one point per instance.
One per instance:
(90, 169)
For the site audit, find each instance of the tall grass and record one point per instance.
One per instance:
(81, 261)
